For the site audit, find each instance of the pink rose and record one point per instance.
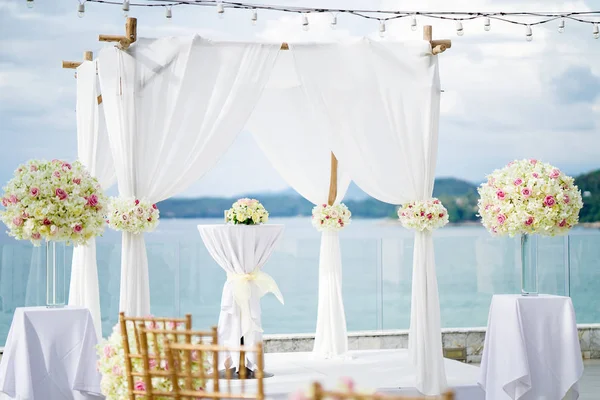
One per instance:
(117, 370)
(555, 173)
(36, 236)
(140, 385)
(150, 219)
(500, 194)
(137, 202)
(501, 219)
(170, 325)
(5, 202)
(66, 166)
(25, 215)
(529, 221)
(324, 205)
(549, 201)
(526, 192)
(535, 175)
(18, 221)
(518, 182)
(77, 228)
(33, 168)
(164, 364)
(429, 216)
(107, 351)
(348, 383)
(13, 199)
(92, 201)
(154, 206)
(441, 215)
(152, 363)
(61, 194)
(533, 161)
(410, 206)
(510, 163)
(566, 199)
(47, 222)
(327, 217)
(77, 181)
(562, 223)
(56, 174)
(436, 202)
(34, 191)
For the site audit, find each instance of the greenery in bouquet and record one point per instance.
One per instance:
(53, 200)
(111, 362)
(527, 197)
(423, 215)
(331, 218)
(132, 215)
(246, 212)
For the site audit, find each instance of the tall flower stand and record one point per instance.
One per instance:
(242, 251)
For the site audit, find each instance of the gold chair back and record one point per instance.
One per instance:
(320, 394)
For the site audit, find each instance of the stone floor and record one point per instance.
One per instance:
(589, 387)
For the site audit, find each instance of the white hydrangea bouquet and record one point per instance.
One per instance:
(111, 362)
(331, 218)
(53, 200)
(246, 212)
(132, 215)
(529, 196)
(423, 215)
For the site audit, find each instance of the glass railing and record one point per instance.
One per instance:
(377, 274)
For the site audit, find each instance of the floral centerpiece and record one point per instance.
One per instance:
(330, 218)
(423, 215)
(56, 201)
(111, 363)
(246, 212)
(132, 215)
(529, 196)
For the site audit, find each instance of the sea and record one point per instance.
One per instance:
(377, 256)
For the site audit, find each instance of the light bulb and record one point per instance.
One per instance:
(333, 22)
(168, 13)
(254, 17)
(486, 24)
(561, 25)
(29, 3)
(125, 8)
(596, 32)
(459, 28)
(381, 28)
(220, 10)
(528, 33)
(413, 23)
(81, 10)
(304, 22)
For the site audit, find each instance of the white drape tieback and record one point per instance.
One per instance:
(242, 294)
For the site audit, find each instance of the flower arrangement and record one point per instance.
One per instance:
(423, 215)
(111, 362)
(132, 215)
(529, 196)
(246, 212)
(330, 218)
(55, 201)
(346, 385)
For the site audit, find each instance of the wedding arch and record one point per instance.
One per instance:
(159, 114)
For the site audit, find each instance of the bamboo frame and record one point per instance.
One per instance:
(333, 177)
(124, 41)
(87, 56)
(320, 394)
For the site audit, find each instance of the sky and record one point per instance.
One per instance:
(504, 98)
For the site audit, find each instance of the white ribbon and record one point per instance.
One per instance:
(242, 293)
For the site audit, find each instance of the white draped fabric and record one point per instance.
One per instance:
(242, 251)
(173, 106)
(295, 144)
(93, 151)
(381, 101)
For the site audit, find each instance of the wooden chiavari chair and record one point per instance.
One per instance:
(318, 393)
(183, 375)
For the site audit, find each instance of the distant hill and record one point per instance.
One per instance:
(589, 184)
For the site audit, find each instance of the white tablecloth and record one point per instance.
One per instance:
(50, 354)
(242, 251)
(531, 349)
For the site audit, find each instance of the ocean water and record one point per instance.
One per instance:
(377, 272)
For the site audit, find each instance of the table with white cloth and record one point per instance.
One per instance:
(531, 349)
(50, 354)
(242, 250)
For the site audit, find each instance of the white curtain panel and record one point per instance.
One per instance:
(173, 106)
(93, 151)
(382, 103)
(296, 145)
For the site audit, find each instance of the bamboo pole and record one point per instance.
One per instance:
(437, 46)
(87, 56)
(333, 177)
(124, 40)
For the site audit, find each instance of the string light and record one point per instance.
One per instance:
(168, 13)
(81, 10)
(254, 17)
(413, 23)
(595, 31)
(125, 8)
(220, 9)
(528, 33)
(561, 25)
(333, 22)
(304, 22)
(29, 3)
(459, 28)
(486, 24)
(382, 28)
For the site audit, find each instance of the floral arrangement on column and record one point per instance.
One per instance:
(331, 218)
(246, 212)
(53, 200)
(423, 215)
(111, 362)
(132, 215)
(529, 196)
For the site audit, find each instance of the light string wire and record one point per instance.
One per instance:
(381, 15)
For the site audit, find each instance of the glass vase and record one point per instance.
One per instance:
(55, 274)
(529, 256)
